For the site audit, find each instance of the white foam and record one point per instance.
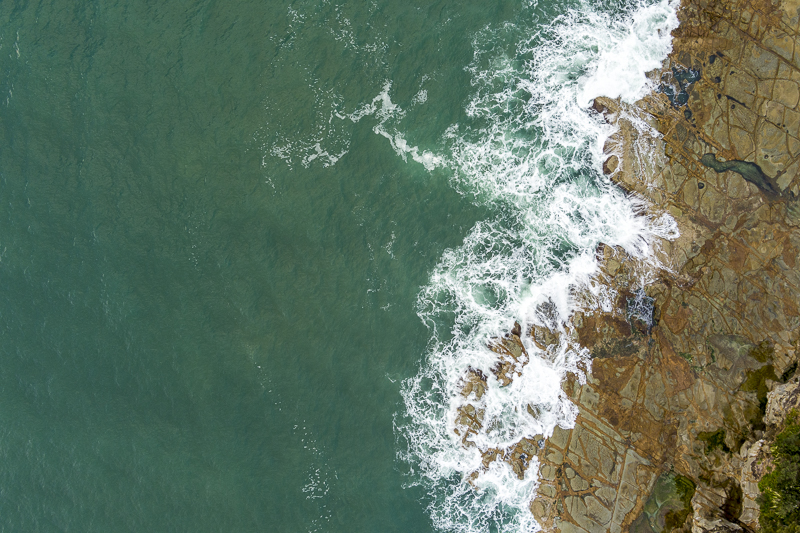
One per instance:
(420, 98)
(325, 144)
(627, 50)
(533, 150)
(389, 113)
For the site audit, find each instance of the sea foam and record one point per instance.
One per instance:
(532, 150)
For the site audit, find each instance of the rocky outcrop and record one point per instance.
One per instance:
(676, 417)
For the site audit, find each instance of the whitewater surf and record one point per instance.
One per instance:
(532, 150)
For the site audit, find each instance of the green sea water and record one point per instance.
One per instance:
(212, 250)
(196, 335)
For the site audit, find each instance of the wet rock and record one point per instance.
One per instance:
(474, 384)
(610, 165)
(544, 337)
(605, 107)
(598, 106)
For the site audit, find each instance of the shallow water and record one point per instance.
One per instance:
(222, 224)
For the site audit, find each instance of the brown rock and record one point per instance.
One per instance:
(610, 165)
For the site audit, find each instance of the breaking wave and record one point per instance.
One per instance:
(532, 150)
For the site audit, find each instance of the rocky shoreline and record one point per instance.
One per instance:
(692, 377)
(672, 432)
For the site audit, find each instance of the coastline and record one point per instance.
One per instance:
(672, 433)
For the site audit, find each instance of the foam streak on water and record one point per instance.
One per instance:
(533, 150)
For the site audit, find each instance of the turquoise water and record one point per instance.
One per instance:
(212, 252)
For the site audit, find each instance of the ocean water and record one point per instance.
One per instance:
(249, 249)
